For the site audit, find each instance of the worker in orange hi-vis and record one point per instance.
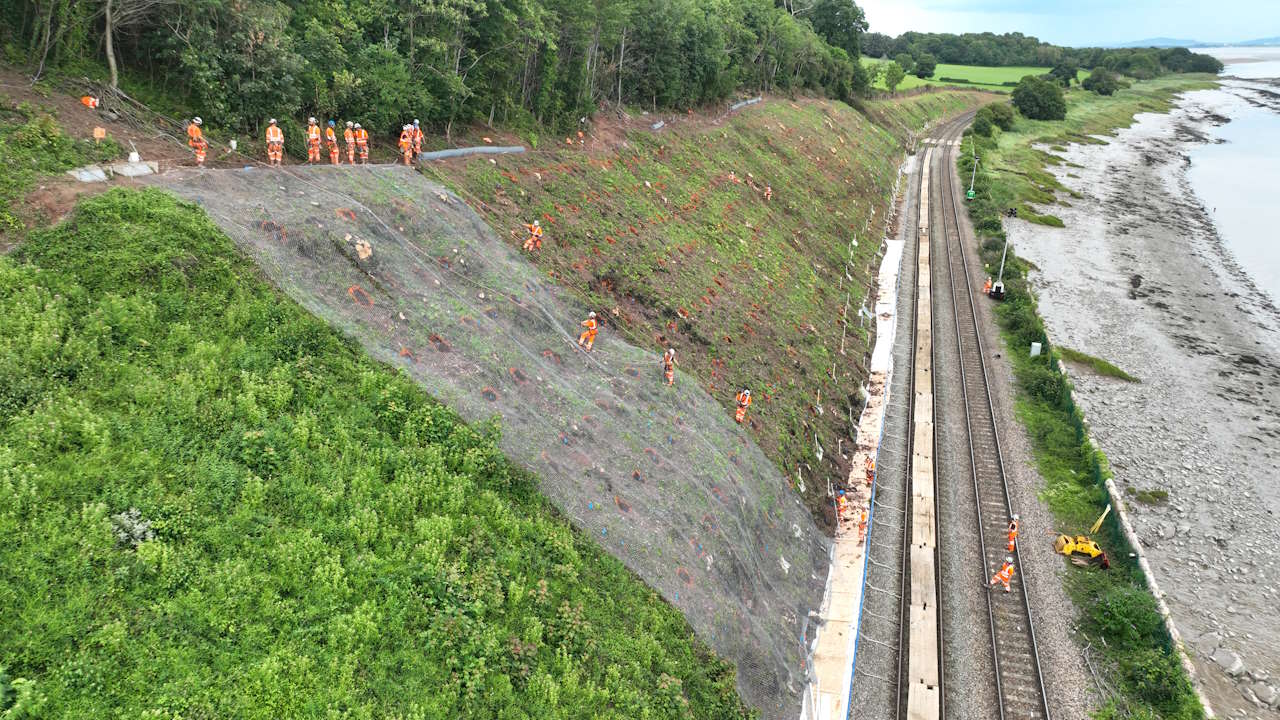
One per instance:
(1013, 533)
(362, 144)
(406, 143)
(275, 144)
(744, 402)
(588, 337)
(417, 138)
(331, 140)
(313, 141)
(768, 193)
(1003, 575)
(195, 139)
(986, 287)
(862, 525)
(871, 471)
(669, 366)
(535, 236)
(90, 102)
(842, 504)
(349, 136)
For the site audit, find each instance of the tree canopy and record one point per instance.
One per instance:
(518, 62)
(1039, 99)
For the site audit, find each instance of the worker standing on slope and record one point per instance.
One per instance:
(195, 139)
(588, 337)
(275, 143)
(744, 402)
(1004, 575)
(417, 138)
(986, 287)
(669, 366)
(1013, 533)
(313, 141)
(349, 136)
(535, 236)
(768, 192)
(362, 144)
(406, 143)
(331, 140)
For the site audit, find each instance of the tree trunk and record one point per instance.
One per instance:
(111, 50)
(622, 53)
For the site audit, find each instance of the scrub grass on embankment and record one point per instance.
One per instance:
(1118, 616)
(668, 236)
(1097, 364)
(313, 534)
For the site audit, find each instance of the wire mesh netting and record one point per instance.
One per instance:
(660, 476)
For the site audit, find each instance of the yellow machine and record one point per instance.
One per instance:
(1082, 551)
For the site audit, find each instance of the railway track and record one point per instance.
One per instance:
(1019, 683)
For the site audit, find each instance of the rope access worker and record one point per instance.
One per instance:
(1013, 533)
(768, 192)
(313, 141)
(417, 138)
(362, 144)
(669, 366)
(349, 136)
(1003, 575)
(535, 236)
(275, 143)
(744, 402)
(842, 503)
(406, 143)
(588, 337)
(331, 140)
(195, 139)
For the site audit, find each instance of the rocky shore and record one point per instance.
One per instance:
(1140, 277)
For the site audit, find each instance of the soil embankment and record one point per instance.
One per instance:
(1141, 277)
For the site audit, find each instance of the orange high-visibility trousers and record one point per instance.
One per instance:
(201, 148)
(313, 151)
(1003, 577)
(587, 338)
(670, 373)
(740, 414)
(1013, 538)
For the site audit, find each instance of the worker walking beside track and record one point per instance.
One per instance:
(362, 144)
(195, 139)
(349, 135)
(669, 366)
(275, 144)
(406, 143)
(1003, 575)
(588, 337)
(313, 141)
(331, 139)
(744, 402)
(1013, 533)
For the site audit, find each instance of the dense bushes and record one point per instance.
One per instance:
(1101, 81)
(309, 535)
(1039, 99)
(510, 61)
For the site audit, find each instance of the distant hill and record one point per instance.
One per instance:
(1162, 42)
(1261, 42)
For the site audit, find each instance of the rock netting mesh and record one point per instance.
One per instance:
(660, 476)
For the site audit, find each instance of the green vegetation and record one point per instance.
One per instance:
(670, 237)
(924, 66)
(1120, 618)
(1150, 496)
(216, 506)
(1039, 99)
(1097, 364)
(523, 65)
(32, 144)
(1103, 82)
(1000, 79)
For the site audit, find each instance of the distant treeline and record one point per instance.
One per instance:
(522, 63)
(1017, 49)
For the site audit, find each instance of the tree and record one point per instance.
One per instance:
(118, 15)
(982, 124)
(1064, 73)
(1001, 115)
(841, 23)
(905, 61)
(925, 65)
(893, 75)
(1101, 81)
(1039, 99)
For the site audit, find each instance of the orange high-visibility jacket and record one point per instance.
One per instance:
(313, 134)
(330, 136)
(744, 400)
(590, 324)
(1013, 529)
(362, 136)
(534, 230)
(89, 101)
(1006, 572)
(194, 136)
(274, 134)
(417, 134)
(349, 135)
(406, 139)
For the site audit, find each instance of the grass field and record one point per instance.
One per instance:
(673, 231)
(217, 506)
(986, 78)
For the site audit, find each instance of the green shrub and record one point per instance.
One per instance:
(1039, 99)
(1043, 383)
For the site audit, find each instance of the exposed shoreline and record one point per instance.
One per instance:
(1141, 277)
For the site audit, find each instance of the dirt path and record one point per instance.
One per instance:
(1140, 277)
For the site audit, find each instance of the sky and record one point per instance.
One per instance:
(1082, 22)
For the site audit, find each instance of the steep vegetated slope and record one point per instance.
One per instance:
(215, 506)
(670, 236)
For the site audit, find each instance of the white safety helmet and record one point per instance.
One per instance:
(357, 126)
(272, 121)
(197, 120)
(406, 127)
(1009, 559)
(350, 124)
(671, 350)
(415, 122)
(1015, 516)
(591, 314)
(311, 120)
(746, 392)
(537, 223)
